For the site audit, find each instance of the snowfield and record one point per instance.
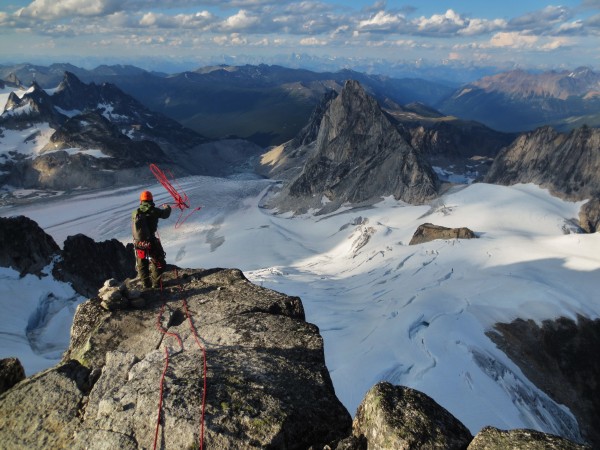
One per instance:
(412, 315)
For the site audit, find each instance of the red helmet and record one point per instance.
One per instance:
(146, 196)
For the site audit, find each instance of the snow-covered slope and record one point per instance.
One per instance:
(412, 315)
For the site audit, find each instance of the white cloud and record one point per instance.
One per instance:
(571, 27)
(307, 7)
(234, 39)
(513, 39)
(313, 41)
(541, 20)
(194, 21)
(482, 26)
(556, 43)
(240, 21)
(441, 23)
(53, 9)
(381, 21)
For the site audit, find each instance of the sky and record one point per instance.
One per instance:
(523, 33)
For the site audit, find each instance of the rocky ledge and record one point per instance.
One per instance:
(214, 345)
(267, 385)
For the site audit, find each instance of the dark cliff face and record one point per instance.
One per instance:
(25, 246)
(34, 106)
(124, 110)
(561, 358)
(359, 156)
(83, 262)
(566, 164)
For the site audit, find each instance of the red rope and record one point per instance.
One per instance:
(162, 378)
(203, 350)
(204, 368)
(181, 200)
(160, 401)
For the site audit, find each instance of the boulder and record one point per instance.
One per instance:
(490, 438)
(11, 372)
(43, 411)
(589, 215)
(87, 264)
(25, 246)
(267, 385)
(399, 417)
(430, 232)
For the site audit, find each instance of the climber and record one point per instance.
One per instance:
(150, 257)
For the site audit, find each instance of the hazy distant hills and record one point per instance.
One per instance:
(522, 101)
(265, 104)
(270, 104)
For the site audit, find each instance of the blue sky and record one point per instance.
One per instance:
(508, 33)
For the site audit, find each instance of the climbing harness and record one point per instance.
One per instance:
(182, 201)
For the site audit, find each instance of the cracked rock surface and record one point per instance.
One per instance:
(267, 383)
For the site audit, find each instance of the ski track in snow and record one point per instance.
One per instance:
(411, 315)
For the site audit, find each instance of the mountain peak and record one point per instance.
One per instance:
(359, 156)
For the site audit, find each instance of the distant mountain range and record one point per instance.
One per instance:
(267, 105)
(270, 104)
(521, 101)
(94, 136)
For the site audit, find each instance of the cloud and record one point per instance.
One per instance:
(448, 23)
(571, 28)
(313, 42)
(243, 20)
(53, 9)
(234, 39)
(542, 20)
(482, 26)
(308, 7)
(591, 4)
(381, 21)
(193, 21)
(513, 39)
(556, 43)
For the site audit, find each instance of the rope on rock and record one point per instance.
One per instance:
(162, 330)
(203, 350)
(204, 364)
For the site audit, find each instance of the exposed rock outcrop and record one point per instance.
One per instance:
(589, 216)
(123, 110)
(490, 438)
(267, 384)
(402, 418)
(560, 357)
(25, 246)
(359, 157)
(86, 264)
(34, 106)
(44, 411)
(566, 164)
(83, 262)
(430, 232)
(11, 372)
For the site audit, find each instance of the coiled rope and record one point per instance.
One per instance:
(182, 201)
